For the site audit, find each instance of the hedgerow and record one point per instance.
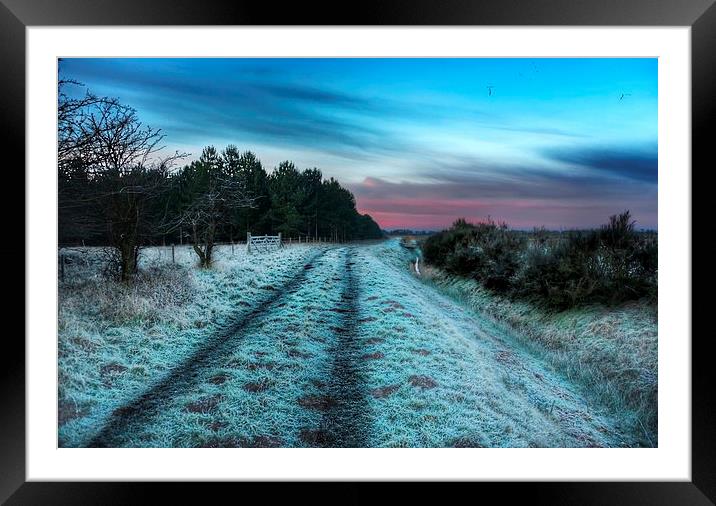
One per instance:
(609, 265)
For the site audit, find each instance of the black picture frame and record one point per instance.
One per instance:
(700, 15)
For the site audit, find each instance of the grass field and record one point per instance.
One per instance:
(311, 346)
(613, 351)
(114, 340)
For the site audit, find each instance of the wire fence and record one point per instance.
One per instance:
(78, 263)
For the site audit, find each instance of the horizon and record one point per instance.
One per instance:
(562, 230)
(557, 143)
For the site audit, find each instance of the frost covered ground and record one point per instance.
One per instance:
(309, 346)
(611, 351)
(115, 341)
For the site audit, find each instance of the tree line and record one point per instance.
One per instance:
(117, 189)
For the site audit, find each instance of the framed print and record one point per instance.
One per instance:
(453, 243)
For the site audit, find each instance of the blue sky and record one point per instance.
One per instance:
(561, 143)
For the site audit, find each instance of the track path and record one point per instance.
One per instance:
(354, 351)
(185, 375)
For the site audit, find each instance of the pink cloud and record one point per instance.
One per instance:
(436, 206)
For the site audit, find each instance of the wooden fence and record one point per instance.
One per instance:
(262, 243)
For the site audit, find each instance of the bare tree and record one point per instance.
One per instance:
(74, 104)
(214, 193)
(110, 171)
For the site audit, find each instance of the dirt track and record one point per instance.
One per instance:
(354, 351)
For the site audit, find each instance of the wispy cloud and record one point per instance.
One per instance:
(420, 137)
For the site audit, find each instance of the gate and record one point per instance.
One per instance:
(262, 243)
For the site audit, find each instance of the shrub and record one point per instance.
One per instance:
(612, 264)
(487, 252)
(437, 247)
(502, 251)
(561, 276)
(628, 260)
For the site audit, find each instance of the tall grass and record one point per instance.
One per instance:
(612, 351)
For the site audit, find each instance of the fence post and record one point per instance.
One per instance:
(248, 242)
(232, 248)
(172, 253)
(279, 239)
(62, 267)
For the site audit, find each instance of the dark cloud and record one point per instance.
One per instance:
(639, 163)
(466, 176)
(258, 108)
(541, 185)
(287, 124)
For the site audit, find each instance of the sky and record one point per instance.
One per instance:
(560, 143)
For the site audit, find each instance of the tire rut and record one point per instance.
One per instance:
(185, 375)
(347, 422)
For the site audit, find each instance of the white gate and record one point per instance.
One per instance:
(262, 243)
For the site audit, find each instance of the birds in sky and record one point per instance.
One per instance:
(491, 88)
